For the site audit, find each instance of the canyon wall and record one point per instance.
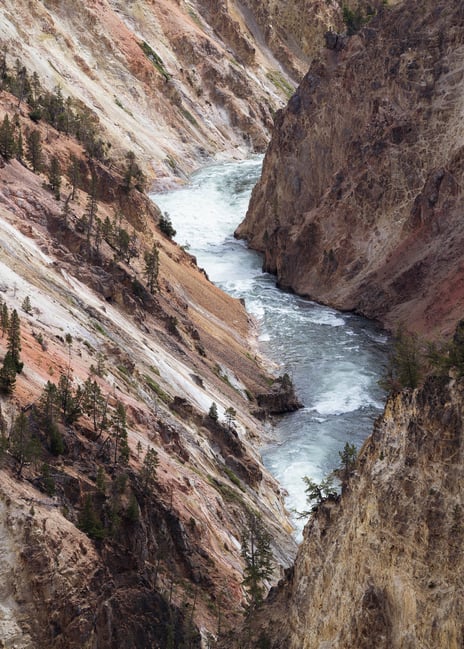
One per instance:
(382, 567)
(361, 194)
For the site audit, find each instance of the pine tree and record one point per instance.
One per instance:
(132, 173)
(347, 461)
(5, 319)
(148, 470)
(8, 375)
(69, 399)
(231, 414)
(54, 176)
(257, 555)
(317, 492)
(74, 173)
(23, 446)
(89, 521)
(7, 139)
(119, 435)
(14, 341)
(20, 146)
(405, 366)
(34, 150)
(213, 412)
(48, 410)
(95, 405)
(26, 304)
(151, 270)
(91, 210)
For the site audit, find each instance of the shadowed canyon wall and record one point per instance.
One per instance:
(360, 201)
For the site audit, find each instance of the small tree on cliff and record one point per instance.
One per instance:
(34, 150)
(257, 555)
(54, 176)
(151, 259)
(14, 340)
(7, 140)
(347, 462)
(148, 470)
(316, 493)
(119, 435)
(405, 365)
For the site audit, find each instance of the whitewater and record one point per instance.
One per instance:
(335, 359)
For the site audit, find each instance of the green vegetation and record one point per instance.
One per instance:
(227, 492)
(151, 269)
(406, 363)
(317, 493)
(257, 555)
(233, 477)
(12, 363)
(158, 390)
(281, 83)
(165, 225)
(213, 412)
(155, 59)
(355, 19)
(148, 470)
(189, 117)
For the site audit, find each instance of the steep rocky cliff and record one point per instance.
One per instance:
(160, 78)
(361, 194)
(383, 566)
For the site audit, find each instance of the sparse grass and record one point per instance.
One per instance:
(189, 117)
(194, 16)
(155, 59)
(157, 389)
(119, 103)
(227, 492)
(233, 477)
(97, 326)
(280, 83)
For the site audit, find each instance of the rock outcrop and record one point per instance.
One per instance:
(360, 201)
(382, 567)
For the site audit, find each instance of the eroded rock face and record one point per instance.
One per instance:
(382, 567)
(361, 198)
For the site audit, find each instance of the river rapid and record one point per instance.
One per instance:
(335, 359)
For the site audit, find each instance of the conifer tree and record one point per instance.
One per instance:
(91, 210)
(148, 470)
(151, 270)
(26, 304)
(231, 414)
(5, 319)
(257, 555)
(8, 375)
(132, 174)
(49, 406)
(213, 412)
(23, 446)
(14, 340)
(119, 435)
(54, 176)
(34, 150)
(7, 139)
(95, 405)
(19, 146)
(74, 173)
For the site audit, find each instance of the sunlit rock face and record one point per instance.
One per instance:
(381, 567)
(361, 195)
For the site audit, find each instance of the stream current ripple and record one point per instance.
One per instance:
(335, 359)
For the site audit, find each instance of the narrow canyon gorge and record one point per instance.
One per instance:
(135, 395)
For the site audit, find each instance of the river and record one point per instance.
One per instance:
(335, 359)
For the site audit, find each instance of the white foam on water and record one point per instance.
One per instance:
(335, 375)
